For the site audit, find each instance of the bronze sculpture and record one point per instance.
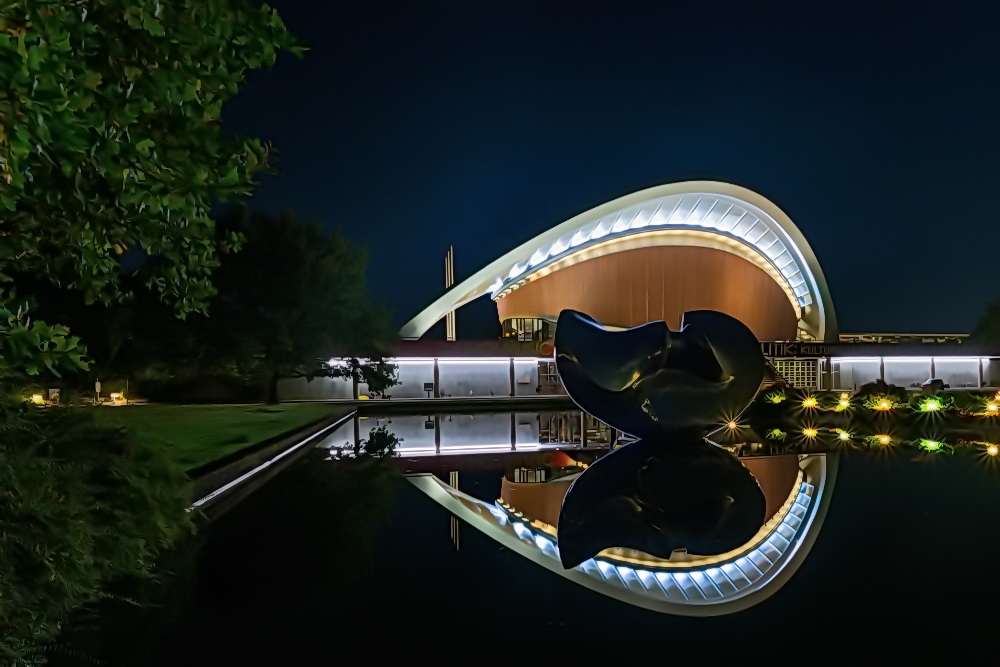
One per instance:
(671, 489)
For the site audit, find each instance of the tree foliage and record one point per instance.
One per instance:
(110, 136)
(294, 296)
(31, 347)
(110, 141)
(987, 329)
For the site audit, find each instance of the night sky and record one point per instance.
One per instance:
(413, 126)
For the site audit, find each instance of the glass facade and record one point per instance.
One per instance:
(528, 329)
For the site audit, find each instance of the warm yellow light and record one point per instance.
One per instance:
(809, 432)
(844, 396)
(37, 398)
(992, 407)
(884, 405)
(884, 439)
(992, 450)
(844, 435)
(115, 396)
(844, 402)
(809, 402)
(732, 425)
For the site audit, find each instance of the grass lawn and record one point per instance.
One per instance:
(198, 434)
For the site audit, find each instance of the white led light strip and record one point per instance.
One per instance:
(694, 585)
(688, 211)
(702, 586)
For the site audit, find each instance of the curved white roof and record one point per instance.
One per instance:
(725, 209)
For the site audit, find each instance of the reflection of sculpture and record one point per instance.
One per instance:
(671, 489)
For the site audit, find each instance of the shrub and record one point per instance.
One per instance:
(83, 505)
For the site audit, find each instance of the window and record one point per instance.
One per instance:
(800, 373)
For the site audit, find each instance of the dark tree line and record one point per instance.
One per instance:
(291, 298)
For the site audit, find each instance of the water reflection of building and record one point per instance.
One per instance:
(525, 518)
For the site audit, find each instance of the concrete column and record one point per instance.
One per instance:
(357, 432)
(513, 384)
(437, 434)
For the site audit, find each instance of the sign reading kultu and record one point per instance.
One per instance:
(796, 349)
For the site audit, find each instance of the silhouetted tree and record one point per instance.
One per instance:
(293, 297)
(987, 329)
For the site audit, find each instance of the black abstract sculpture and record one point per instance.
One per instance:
(671, 488)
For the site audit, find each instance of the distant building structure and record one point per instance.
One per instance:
(655, 254)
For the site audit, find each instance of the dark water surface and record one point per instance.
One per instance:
(328, 559)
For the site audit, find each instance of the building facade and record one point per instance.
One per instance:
(653, 255)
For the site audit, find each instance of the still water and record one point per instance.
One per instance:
(335, 556)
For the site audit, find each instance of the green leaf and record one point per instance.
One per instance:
(92, 79)
(35, 55)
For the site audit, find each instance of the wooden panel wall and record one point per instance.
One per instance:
(775, 474)
(659, 283)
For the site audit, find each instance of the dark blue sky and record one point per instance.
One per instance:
(481, 124)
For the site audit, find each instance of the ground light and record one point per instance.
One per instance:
(992, 449)
(883, 440)
(930, 445)
(732, 425)
(844, 435)
(809, 402)
(930, 405)
(809, 432)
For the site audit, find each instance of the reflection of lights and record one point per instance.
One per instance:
(884, 439)
(809, 402)
(992, 450)
(844, 435)
(809, 432)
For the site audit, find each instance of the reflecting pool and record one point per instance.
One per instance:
(338, 555)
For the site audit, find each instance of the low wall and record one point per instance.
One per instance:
(216, 474)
